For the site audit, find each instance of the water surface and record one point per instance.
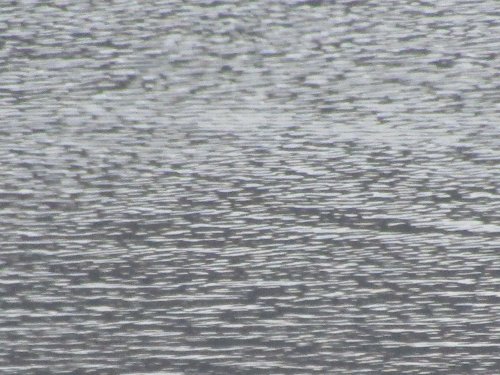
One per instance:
(249, 187)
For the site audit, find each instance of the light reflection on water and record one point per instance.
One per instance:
(243, 188)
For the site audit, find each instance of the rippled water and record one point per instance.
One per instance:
(249, 187)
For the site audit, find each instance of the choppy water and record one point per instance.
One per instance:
(249, 187)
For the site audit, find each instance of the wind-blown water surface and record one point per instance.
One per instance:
(249, 187)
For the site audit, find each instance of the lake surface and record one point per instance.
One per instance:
(249, 187)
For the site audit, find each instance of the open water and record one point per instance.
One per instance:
(249, 187)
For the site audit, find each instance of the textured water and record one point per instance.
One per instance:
(249, 187)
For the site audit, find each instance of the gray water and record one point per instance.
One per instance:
(249, 187)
